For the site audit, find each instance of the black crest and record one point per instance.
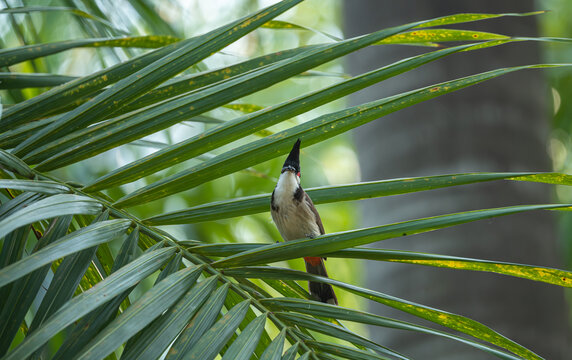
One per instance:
(293, 160)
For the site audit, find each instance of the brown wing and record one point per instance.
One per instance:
(313, 208)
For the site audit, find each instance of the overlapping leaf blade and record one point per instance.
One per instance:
(363, 190)
(38, 106)
(18, 203)
(79, 240)
(44, 187)
(274, 350)
(65, 281)
(314, 308)
(213, 340)
(160, 334)
(450, 320)
(345, 351)
(530, 272)
(16, 298)
(200, 323)
(333, 242)
(187, 53)
(336, 331)
(290, 354)
(152, 304)
(93, 322)
(14, 164)
(184, 84)
(311, 132)
(15, 55)
(128, 129)
(243, 347)
(209, 345)
(11, 138)
(93, 298)
(23, 80)
(23, 291)
(53, 206)
(251, 123)
(87, 87)
(235, 297)
(172, 267)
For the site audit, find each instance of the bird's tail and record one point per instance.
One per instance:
(321, 291)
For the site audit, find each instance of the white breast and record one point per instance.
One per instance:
(285, 188)
(294, 219)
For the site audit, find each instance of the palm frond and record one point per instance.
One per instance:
(108, 282)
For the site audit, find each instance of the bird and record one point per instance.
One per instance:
(296, 217)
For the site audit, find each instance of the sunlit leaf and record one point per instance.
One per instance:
(429, 37)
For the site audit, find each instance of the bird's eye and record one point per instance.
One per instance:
(298, 174)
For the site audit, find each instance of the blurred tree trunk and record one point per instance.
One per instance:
(499, 125)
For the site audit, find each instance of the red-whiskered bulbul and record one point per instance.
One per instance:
(296, 217)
